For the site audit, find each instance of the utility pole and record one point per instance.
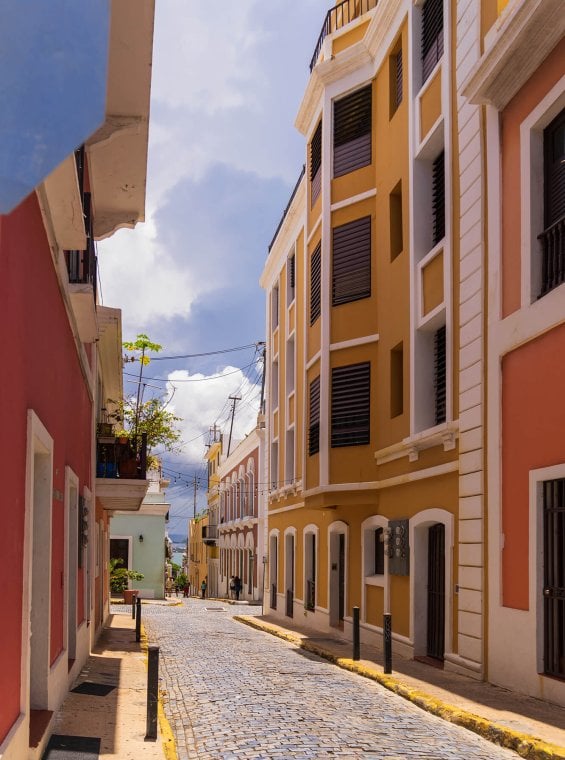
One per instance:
(195, 489)
(262, 406)
(214, 430)
(235, 399)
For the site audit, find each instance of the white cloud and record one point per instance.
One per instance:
(205, 401)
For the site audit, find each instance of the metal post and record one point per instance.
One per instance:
(133, 598)
(152, 691)
(138, 619)
(387, 632)
(356, 636)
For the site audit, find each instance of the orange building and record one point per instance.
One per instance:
(520, 79)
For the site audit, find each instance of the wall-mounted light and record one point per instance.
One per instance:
(140, 538)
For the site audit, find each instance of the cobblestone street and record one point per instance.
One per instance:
(233, 692)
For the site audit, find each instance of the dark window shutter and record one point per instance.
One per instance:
(351, 261)
(314, 417)
(316, 163)
(438, 199)
(352, 131)
(292, 271)
(399, 78)
(351, 405)
(554, 170)
(379, 568)
(316, 284)
(432, 36)
(440, 376)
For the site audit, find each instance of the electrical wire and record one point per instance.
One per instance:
(190, 379)
(209, 353)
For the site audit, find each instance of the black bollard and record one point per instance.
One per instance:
(152, 691)
(134, 597)
(138, 619)
(387, 635)
(356, 636)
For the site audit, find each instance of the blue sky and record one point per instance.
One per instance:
(224, 156)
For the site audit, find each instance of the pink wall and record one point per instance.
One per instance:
(533, 421)
(41, 372)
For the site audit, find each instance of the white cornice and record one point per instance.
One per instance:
(371, 49)
(524, 35)
(293, 221)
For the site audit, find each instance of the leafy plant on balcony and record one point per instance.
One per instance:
(120, 576)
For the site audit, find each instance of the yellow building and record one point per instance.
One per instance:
(210, 530)
(366, 347)
(197, 554)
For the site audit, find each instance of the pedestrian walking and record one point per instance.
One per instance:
(232, 587)
(186, 590)
(168, 587)
(203, 587)
(237, 584)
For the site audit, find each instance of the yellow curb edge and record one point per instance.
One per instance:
(529, 747)
(167, 736)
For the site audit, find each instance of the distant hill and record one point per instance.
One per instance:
(178, 538)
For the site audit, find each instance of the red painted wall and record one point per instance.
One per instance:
(523, 103)
(41, 372)
(533, 421)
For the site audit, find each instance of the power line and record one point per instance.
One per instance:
(208, 353)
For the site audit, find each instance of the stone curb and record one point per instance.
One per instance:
(526, 746)
(167, 736)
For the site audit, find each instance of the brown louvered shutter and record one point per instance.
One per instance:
(398, 82)
(352, 131)
(438, 199)
(316, 284)
(351, 261)
(552, 239)
(432, 36)
(351, 405)
(292, 271)
(316, 163)
(314, 417)
(440, 375)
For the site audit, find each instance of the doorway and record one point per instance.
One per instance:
(436, 592)
(337, 579)
(554, 578)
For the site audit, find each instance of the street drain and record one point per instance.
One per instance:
(215, 609)
(93, 689)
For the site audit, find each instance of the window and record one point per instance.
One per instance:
(395, 81)
(351, 403)
(275, 307)
(289, 456)
(432, 36)
(275, 385)
(314, 417)
(351, 263)
(352, 131)
(291, 278)
(552, 239)
(290, 361)
(395, 219)
(316, 164)
(438, 199)
(274, 465)
(396, 381)
(316, 284)
(251, 486)
(440, 384)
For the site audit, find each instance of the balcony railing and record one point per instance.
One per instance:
(122, 458)
(552, 242)
(339, 16)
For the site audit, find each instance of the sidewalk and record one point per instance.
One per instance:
(532, 728)
(117, 718)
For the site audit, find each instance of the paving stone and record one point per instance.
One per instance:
(234, 692)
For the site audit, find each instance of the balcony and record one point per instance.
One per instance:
(121, 466)
(210, 534)
(339, 16)
(82, 271)
(552, 242)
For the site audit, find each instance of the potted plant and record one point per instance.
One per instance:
(119, 579)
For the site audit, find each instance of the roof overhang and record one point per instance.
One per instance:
(117, 152)
(120, 494)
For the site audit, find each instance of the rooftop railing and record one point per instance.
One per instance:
(339, 16)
